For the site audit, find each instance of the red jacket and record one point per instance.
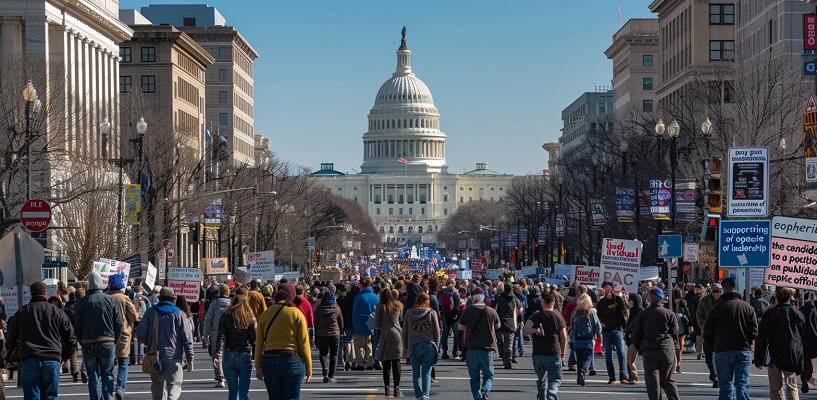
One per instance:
(303, 304)
(567, 313)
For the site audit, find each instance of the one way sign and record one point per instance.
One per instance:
(670, 246)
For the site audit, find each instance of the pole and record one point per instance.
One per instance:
(28, 153)
(673, 161)
(18, 264)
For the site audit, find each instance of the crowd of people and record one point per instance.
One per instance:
(375, 323)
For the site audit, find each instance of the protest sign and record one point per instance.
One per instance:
(794, 253)
(756, 277)
(748, 182)
(493, 273)
(648, 273)
(262, 265)
(9, 295)
(242, 275)
(620, 261)
(107, 267)
(185, 281)
(150, 278)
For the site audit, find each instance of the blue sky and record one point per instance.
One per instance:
(500, 72)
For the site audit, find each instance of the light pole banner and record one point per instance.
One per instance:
(794, 253)
(598, 211)
(625, 204)
(560, 224)
(620, 262)
(685, 200)
(133, 204)
(748, 194)
(660, 198)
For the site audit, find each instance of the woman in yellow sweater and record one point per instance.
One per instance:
(282, 351)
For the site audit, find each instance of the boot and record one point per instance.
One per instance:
(387, 392)
(75, 375)
(397, 392)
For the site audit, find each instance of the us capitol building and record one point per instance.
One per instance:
(404, 184)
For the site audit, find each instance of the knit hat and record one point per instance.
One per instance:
(286, 292)
(328, 298)
(117, 281)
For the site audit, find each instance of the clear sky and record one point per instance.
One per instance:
(500, 72)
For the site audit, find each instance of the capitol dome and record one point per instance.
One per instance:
(404, 126)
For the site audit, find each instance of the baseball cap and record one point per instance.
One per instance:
(658, 292)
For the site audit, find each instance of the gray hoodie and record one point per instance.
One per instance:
(213, 316)
(421, 325)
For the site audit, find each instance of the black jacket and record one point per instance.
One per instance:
(233, 339)
(41, 330)
(781, 331)
(346, 305)
(731, 324)
(507, 306)
(611, 313)
(810, 330)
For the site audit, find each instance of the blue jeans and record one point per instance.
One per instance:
(237, 372)
(518, 342)
(40, 379)
(584, 356)
(549, 376)
(480, 361)
(610, 339)
(455, 330)
(732, 368)
(98, 361)
(423, 355)
(375, 344)
(282, 377)
(121, 373)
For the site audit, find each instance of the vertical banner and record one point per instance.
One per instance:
(644, 204)
(625, 204)
(660, 198)
(561, 224)
(133, 204)
(810, 144)
(684, 192)
(542, 237)
(748, 192)
(620, 262)
(598, 211)
(810, 32)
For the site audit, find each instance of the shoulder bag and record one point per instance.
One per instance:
(151, 364)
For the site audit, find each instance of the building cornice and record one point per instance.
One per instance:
(97, 15)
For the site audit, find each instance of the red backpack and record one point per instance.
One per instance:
(446, 303)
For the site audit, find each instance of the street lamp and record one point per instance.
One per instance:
(674, 131)
(659, 128)
(707, 130)
(33, 106)
(141, 128)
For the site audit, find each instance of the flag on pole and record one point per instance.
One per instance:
(402, 160)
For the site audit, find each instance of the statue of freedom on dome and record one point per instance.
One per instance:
(403, 41)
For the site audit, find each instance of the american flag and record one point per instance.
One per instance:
(402, 160)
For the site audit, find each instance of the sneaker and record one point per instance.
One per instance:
(445, 356)
(118, 395)
(592, 372)
(699, 356)
(611, 382)
(580, 379)
(220, 384)
(347, 366)
(715, 385)
(713, 377)
(332, 380)
(434, 380)
(75, 375)
(677, 369)
(514, 360)
(397, 393)
(571, 368)
(325, 379)
(377, 367)
(632, 382)
(508, 366)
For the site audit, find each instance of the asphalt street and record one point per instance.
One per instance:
(513, 384)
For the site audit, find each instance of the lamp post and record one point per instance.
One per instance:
(560, 180)
(141, 128)
(33, 106)
(706, 128)
(674, 130)
(660, 128)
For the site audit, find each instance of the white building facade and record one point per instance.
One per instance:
(404, 184)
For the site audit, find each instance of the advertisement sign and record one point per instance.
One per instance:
(625, 204)
(744, 244)
(810, 32)
(685, 209)
(212, 266)
(598, 211)
(794, 253)
(262, 265)
(587, 275)
(748, 182)
(133, 204)
(212, 215)
(620, 261)
(660, 198)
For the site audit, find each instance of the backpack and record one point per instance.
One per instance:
(582, 329)
(446, 302)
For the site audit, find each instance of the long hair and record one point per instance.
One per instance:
(181, 302)
(585, 304)
(241, 311)
(389, 303)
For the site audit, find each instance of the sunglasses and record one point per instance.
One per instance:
(716, 291)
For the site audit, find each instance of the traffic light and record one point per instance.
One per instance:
(713, 186)
(194, 232)
(709, 234)
(317, 257)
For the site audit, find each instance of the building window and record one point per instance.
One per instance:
(445, 212)
(340, 189)
(461, 199)
(422, 212)
(222, 53)
(222, 97)
(399, 229)
(411, 211)
(382, 230)
(222, 75)
(149, 84)
(461, 189)
(125, 53)
(400, 211)
(721, 50)
(470, 199)
(391, 211)
(189, 21)
(377, 211)
(148, 54)
(419, 229)
(377, 199)
(721, 14)
(391, 199)
(445, 198)
(647, 84)
(124, 84)
(646, 60)
(222, 119)
(647, 105)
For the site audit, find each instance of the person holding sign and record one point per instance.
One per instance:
(780, 332)
(655, 335)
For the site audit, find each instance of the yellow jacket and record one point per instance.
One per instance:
(257, 303)
(287, 333)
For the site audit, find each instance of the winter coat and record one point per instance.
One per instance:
(421, 325)
(328, 320)
(569, 306)
(809, 338)
(233, 339)
(213, 316)
(97, 318)
(365, 303)
(611, 313)
(391, 337)
(704, 306)
(128, 312)
(346, 303)
(781, 331)
(731, 324)
(257, 303)
(306, 308)
(41, 330)
(630, 320)
(175, 337)
(507, 307)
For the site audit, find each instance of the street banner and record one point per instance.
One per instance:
(660, 198)
(748, 194)
(685, 209)
(212, 266)
(543, 236)
(625, 204)
(262, 265)
(212, 215)
(744, 244)
(185, 281)
(494, 242)
(572, 225)
(133, 204)
(561, 224)
(510, 240)
(587, 275)
(620, 261)
(150, 278)
(644, 204)
(523, 237)
(107, 267)
(794, 253)
(564, 270)
(311, 244)
(461, 244)
(598, 212)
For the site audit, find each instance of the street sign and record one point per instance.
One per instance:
(748, 194)
(687, 269)
(311, 244)
(691, 252)
(811, 105)
(670, 246)
(810, 67)
(744, 244)
(36, 215)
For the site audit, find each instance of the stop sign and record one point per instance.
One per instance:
(36, 215)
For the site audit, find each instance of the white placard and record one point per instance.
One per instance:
(748, 191)
(648, 273)
(586, 274)
(150, 277)
(620, 262)
(691, 252)
(184, 274)
(262, 265)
